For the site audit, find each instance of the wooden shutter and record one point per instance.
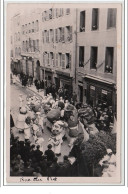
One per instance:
(53, 59)
(53, 35)
(43, 17)
(63, 61)
(44, 58)
(43, 36)
(69, 61)
(56, 31)
(57, 60)
(63, 34)
(70, 33)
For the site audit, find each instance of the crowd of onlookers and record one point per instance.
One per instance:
(67, 120)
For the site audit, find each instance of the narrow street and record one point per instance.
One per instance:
(17, 89)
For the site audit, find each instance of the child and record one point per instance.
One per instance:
(27, 128)
(39, 141)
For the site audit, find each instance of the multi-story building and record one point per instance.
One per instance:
(16, 42)
(97, 55)
(59, 46)
(31, 49)
(73, 48)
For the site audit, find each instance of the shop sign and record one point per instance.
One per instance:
(104, 92)
(92, 87)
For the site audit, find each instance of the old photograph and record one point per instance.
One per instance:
(63, 93)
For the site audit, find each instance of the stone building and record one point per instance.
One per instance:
(97, 55)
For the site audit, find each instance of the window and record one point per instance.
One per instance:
(56, 34)
(16, 53)
(60, 59)
(19, 51)
(109, 59)
(57, 60)
(36, 26)
(22, 29)
(26, 28)
(93, 60)
(51, 58)
(68, 61)
(82, 21)
(51, 35)
(45, 36)
(68, 33)
(61, 12)
(60, 34)
(50, 13)
(11, 53)
(63, 34)
(63, 61)
(111, 21)
(81, 56)
(29, 28)
(32, 26)
(37, 45)
(95, 19)
(67, 11)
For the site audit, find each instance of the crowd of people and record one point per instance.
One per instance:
(67, 120)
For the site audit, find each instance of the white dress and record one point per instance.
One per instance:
(39, 141)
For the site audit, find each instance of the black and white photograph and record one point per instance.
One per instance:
(63, 93)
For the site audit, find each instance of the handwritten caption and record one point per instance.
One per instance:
(37, 179)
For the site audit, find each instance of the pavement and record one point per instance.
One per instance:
(17, 89)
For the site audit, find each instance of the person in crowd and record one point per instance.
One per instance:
(109, 164)
(28, 170)
(49, 153)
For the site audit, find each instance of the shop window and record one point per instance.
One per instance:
(67, 11)
(95, 18)
(109, 60)
(111, 20)
(68, 61)
(82, 21)
(81, 56)
(93, 59)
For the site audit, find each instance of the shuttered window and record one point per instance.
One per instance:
(57, 60)
(111, 20)
(63, 61)
(56, 34)
(63, 35)
(70, 33)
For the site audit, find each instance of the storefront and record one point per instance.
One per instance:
(64, 80)
(48, 74)
(100, 91)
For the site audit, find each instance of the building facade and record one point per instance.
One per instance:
(15, 43)
(59, 47)
(97, 56)
(31, 49)
(73, 48)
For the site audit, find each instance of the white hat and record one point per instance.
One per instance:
(23, 110)
(109, 151)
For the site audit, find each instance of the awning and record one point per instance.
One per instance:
(100, 79)
(63, 74)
